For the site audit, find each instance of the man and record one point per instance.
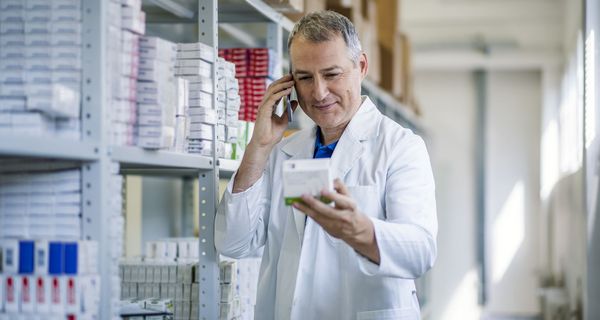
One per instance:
(358, 258)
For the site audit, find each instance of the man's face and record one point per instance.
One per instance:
(327, 81)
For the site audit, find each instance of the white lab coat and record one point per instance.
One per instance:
(306, 273)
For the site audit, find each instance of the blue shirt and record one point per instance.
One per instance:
(322, 151)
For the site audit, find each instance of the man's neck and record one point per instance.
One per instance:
(329, 136)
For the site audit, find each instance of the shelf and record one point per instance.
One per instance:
(134, 160)
(239, 11)
(227, 168)
(389, 104)
(47, 148)
(230, 11)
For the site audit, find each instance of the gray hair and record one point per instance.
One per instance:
(322, 26)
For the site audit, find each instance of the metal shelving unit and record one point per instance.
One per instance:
(227, 167)
(133, 157)
(47, 147)
(99, 162)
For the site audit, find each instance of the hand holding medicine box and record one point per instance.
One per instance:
(308, 176)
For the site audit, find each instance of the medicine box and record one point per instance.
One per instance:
(306, 176)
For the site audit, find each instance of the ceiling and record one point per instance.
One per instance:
(485, 25)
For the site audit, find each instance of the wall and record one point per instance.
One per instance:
(592, 283)
(161, 208)
(448, 101)
(512, 191)
(512, 169)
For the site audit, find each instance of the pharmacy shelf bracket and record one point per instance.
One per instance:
(208, 265)
(209, 296)
(96, 209)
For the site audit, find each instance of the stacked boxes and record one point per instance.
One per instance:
(239, 279)
(251, 62)
(49, 278)
(157, 94)
(47, 207)
(41, 205)
(228, 106)
(169, 273)
(194, 63)
(255, 68)
(126, 25)
(229, 306)
(40, 67)
(161, 280)
(173, 249)
(115, 236)
(181, 114)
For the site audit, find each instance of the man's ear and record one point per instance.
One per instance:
(363, 64)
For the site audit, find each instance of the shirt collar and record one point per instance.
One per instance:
(323, 151)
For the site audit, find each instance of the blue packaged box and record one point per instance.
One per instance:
(26, 257)
(71, 258)
(56, 258)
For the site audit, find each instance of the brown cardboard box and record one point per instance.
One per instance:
(352, 9)
(309, 6)
(339, 3)
(367, 31)
(288, 6)
(387, 24)
(371, 50)
(403, 86)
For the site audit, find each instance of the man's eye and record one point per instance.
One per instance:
(332, 75)
(304, 78)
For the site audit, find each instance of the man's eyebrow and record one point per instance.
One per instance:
(297, 71)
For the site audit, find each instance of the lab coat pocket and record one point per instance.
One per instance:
(367, 199)
(389, 314)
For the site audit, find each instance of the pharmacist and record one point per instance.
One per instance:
(357, 259)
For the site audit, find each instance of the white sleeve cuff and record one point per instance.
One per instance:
(243, 193)
(367, 266)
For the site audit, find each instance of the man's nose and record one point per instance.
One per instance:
(320, 90)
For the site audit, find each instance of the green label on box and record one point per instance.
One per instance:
(292, 200)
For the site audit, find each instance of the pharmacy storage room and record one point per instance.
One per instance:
(299, 160)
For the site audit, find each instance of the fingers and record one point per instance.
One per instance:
(306, 210)
(281, 84)
(271, 99)
(340, 187)
(318, 207)
(342, 201)
(277, 90)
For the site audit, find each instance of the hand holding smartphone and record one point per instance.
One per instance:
(287, 101)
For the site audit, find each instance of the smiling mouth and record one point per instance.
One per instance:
(324, 106)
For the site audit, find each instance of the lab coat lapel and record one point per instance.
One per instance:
(300, 146)
(363, 126)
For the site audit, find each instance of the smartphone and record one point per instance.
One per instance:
(286, 103)
(290, 97)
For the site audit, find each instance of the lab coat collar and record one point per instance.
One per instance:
(364, 125)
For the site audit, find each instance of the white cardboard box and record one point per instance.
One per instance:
(10, 256)
(13, 294)
(306, 177)
(41, 257)
(42, 293)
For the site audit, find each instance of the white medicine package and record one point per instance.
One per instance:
(306, 176)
